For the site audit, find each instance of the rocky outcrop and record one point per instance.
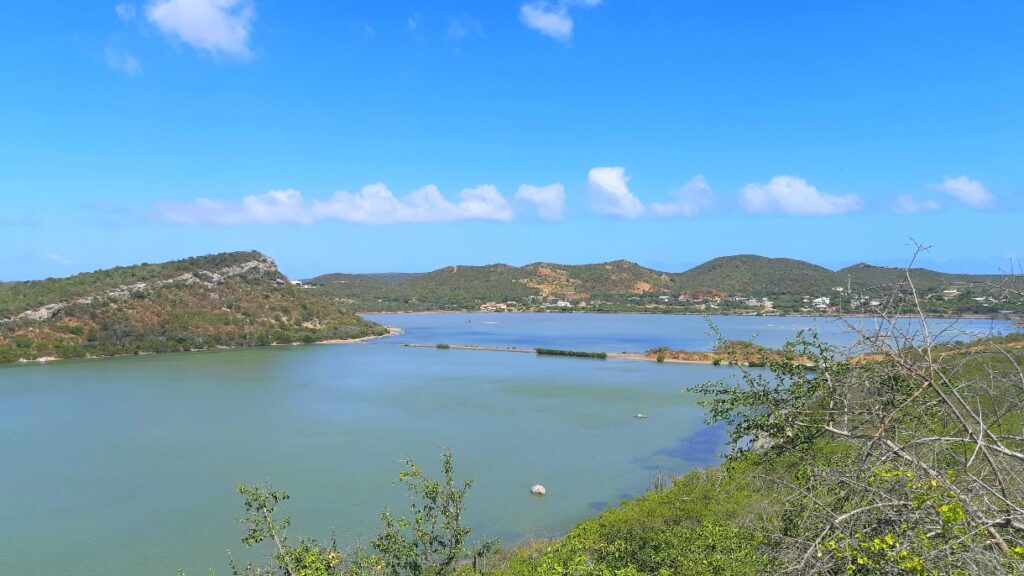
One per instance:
(264, 265)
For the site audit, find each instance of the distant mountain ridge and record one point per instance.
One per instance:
(222, 300)
(620, 281)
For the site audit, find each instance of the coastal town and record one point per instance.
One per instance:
(839, 300)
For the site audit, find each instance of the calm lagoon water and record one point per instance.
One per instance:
(126, 466)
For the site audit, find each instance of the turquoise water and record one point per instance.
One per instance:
(126, 466)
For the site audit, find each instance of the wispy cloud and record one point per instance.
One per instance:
(549, 200)
(217, 27)
(57, 258)
(907, 204)
(970, 192)
(4, 221)
(793, 195)
(374, 204)
(552, 18)
(123, 61)
(464, 25)
(691, 199)
(365, 30)
(125, 11)
(610, 195)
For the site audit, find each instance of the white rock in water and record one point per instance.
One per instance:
(538, 490)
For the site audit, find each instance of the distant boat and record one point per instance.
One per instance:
(492, 322)
(640, 416)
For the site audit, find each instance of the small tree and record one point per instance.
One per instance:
(430, 543)
(307, 558)
(433, 539)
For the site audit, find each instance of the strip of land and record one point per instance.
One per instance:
(611, 355)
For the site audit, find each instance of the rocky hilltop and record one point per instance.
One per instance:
(221, 300)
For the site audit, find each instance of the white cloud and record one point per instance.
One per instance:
(552, 18)
(57, 258)
(374, 204)
(795, 196)
(970, 192)
(549, 200)
(693, 198)
(610, 192)
(907, 204)
(463, 25)
(213, 26)
(366, 31)
(125, 11)
(123, 62)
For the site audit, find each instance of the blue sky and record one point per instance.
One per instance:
(406, 136)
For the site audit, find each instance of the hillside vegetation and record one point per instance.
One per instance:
(722, 285)
(223, 300)
(909, 464)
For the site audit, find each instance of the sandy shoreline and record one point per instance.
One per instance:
(392, 331)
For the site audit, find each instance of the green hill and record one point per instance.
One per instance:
(466, 287)
(750, 275)
(223, 300)
(867, 276)
(622, 285)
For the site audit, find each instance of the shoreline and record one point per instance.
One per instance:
(392, 331)
(1013, 319)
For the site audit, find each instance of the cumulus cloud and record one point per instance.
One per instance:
(549, 200)
(907, 204)
(123, 62)
(218, 27)
(552, 18)
(795, 196)
(693, 198)
(610, 193)
(374, 204)
(968, 191)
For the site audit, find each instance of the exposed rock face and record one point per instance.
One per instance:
(261, 266)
